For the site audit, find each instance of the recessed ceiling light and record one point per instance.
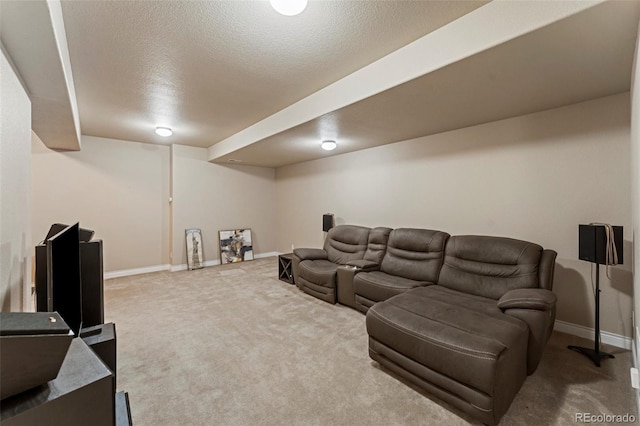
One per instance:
(163, 131)
(289, 7)
(329, 145)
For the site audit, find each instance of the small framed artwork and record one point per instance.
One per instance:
(235, 245)
(194, 248)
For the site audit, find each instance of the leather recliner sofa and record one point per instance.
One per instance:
(464, 317)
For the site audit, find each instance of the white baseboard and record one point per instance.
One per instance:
(267, 254)
(135, 271)
(636, 360)
(589, 333)
(183, 267)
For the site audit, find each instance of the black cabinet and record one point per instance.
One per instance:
(285, 272)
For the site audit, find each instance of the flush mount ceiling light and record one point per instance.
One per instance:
(163, 131)
(289, 7)
(329, 145)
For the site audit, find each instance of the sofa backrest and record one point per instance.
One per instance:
(416, 254)
(547, 267)
(377, 245)
(346, 242)
(490, 266)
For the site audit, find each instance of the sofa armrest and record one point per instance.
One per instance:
(346, 273)
(536, 307)
(364, 265)
(311, 254)
(528, 298)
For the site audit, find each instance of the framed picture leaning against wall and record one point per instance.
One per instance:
(235, 245)
(194, 248)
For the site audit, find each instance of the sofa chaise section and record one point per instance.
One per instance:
(472, 338)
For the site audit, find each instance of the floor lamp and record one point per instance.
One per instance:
(600, 244)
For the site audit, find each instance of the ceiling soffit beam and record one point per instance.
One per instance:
(33, 35)
(488, 26)
(57, 21)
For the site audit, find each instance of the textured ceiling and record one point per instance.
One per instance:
(585, 56)
(255, 86)
(209, 69)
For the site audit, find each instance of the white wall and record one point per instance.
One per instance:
(215, 197)
(117, 188)
(15, 209)
(121, 190)
(635, 184)
(533, 177)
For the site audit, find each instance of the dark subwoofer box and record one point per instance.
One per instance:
(81, 394)
(102, 340)
(592, 243)
(33, 349)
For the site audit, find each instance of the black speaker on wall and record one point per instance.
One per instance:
(327, 222)
(592, 243)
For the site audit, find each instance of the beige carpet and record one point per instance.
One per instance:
(233, 345)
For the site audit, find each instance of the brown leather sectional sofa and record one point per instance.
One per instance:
(464, 317)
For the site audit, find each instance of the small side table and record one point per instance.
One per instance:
(285, 272)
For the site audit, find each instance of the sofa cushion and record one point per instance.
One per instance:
(377, 244)
(345, 243)
(378, 285)
(319, 272)
(415, 254)
(464, 337)
(489, 266)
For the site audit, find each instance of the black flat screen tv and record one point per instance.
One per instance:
(64, 287)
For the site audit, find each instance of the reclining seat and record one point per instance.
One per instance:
(315, 269)
(472, 339)
(376, 248)
(413, 259)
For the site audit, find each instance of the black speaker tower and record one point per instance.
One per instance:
(592, 247)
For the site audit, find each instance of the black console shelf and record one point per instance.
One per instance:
(285, 272)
